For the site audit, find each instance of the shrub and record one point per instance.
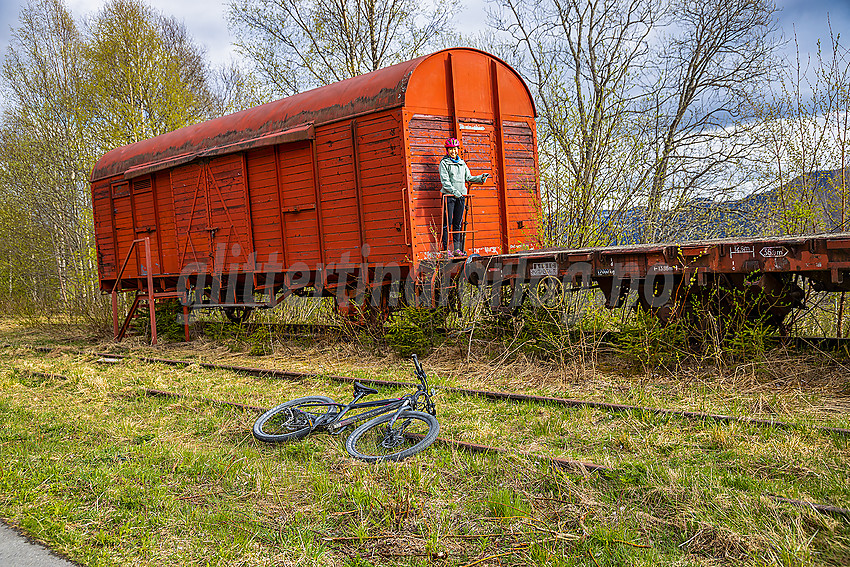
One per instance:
(416, 330)
(169, 320)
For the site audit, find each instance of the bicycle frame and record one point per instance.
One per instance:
(336, 423)
(381, 407)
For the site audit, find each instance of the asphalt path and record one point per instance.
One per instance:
(19, 551)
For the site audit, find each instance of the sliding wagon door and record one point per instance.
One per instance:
(211, 213)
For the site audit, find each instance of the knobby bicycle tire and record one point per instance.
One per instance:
(295, 422)
(413, 432)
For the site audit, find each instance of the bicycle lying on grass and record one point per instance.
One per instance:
(397, 430)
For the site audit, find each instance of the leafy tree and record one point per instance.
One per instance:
(299, 44)
(147, 76)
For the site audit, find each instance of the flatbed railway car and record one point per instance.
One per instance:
(343, 176)
(756, 279)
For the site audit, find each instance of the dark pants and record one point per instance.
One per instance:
(454, 217)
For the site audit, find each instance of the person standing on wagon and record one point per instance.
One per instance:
(454, 174)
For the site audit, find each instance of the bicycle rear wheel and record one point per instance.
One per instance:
(292, 420)
(375, 441)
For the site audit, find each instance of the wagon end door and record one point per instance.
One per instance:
(123, 228)
(479, 151)
(146, 223)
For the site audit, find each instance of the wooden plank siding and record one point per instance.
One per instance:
(146, 225)
(124, 227)
(381, 166)
(265, 206)
(188, 185)
(478, 149)
(427, 146)
(298, 202)
(314, 178)
(184, 203)
(340, 223)
(102, 211)
(427, 136)
(167, 236)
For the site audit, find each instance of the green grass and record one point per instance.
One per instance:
(109, 476)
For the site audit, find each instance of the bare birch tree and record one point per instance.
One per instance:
(46, 152)
(721, 52)
(581, 58)
(234, 89)
(634, 99)
(71, 95)
(300, 44)
(804, 133)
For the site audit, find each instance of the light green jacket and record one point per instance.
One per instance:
(454, 175)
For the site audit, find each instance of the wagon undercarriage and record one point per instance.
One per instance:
(708, 283)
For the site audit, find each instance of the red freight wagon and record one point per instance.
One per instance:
(320, 189)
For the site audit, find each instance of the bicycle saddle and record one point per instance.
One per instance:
(361, 389)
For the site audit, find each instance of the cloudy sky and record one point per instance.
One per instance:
(206, 19)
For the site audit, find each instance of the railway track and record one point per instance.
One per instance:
(580, 466)
(486, 394)
(306, 330)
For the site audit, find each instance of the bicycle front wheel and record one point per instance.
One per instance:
(292, 420)
(376, 441)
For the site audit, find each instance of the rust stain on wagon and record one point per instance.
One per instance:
(382, 89)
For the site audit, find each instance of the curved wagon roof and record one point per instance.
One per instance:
(419, 83)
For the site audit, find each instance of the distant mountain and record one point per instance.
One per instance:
(811, 203)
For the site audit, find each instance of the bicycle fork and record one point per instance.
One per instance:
(397, 413)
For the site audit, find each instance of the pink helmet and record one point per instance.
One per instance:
(452, 143)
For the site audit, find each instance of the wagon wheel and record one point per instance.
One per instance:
(507, 298)
(238, 315)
